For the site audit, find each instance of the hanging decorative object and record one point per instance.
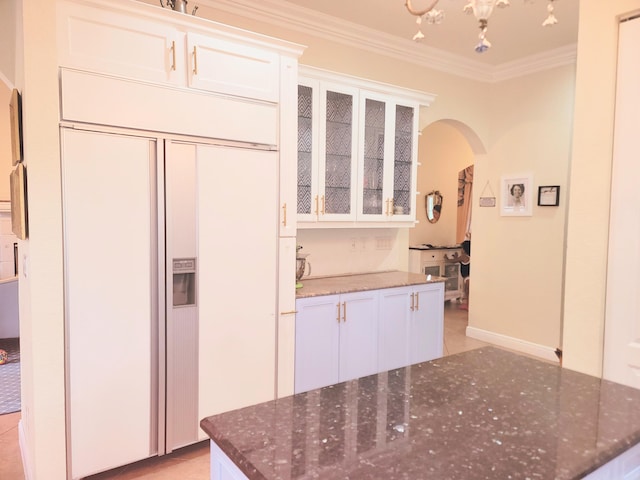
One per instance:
(178, 6)
(481, 9)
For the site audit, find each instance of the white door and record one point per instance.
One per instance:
(237, 235)
(317, 342)
(622, 326)
(358, 335)
(108, 250)
(427, 334)
(394, 328)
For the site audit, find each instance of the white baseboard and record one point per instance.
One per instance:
(545, 353)
(26, 465)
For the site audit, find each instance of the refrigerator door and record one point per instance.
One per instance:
(111, 301)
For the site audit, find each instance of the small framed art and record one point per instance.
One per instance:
(549, 195)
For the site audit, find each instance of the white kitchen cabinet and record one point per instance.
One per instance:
(327, 149)
(336, 339)
(220, 65)
(383, 329)
(432, 262)
(387, 166)
(410, 325)
(120, 42)
(357, 152)
(243, 117)
(426, 323)
(152, 44)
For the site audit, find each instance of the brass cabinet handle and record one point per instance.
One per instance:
(173, 55)
(344, 311)
(387, 211)
(417, 301)
(316, 200)
(322, 211)
(195, 60)
(412, 298)
(290, 312)
(284, 215)
(338, 317)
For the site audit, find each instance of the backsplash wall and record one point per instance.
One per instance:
(345, 251)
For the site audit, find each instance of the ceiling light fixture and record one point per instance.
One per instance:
(481, 9)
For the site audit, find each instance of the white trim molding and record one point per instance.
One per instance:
(529, 348)
(310, 22)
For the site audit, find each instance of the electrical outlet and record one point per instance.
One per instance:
(353, 242)
(383, 243)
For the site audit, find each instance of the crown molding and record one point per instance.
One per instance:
(285, 15)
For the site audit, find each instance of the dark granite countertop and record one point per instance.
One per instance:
(483, 414)
(313, 287)
(428, 246)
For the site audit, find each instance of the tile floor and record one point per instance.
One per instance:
(192, 463)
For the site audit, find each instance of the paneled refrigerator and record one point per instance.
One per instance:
(170, 306)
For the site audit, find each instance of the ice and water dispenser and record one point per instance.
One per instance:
(184, 282)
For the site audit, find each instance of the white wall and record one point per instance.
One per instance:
(588, 215)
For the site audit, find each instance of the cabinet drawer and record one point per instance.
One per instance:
(218, 65)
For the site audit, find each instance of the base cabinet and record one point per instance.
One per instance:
(336, 339)
(410, 325)
(342, 337)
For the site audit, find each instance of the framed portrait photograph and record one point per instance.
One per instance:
(549, 195)
(516, 195)
(15, 118)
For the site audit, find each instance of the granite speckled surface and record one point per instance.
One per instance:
(482, 414)
(313, 287)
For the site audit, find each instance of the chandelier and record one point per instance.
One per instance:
(481, 9)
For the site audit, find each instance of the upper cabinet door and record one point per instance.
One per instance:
(327, 152)
(338, 151)
(405, 164)
(308, 121)
(218, 65)
(104, 41)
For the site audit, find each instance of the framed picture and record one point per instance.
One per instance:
(516, 195)
(18, 187)
(15, 119)
(549, 195)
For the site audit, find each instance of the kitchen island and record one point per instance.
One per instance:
(482, 414)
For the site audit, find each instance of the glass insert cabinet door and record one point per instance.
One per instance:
(387, 164)
(327, 152)
(356, 155)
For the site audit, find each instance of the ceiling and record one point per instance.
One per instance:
(515, 32)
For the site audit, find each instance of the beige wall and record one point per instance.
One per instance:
(519, 259)
(42, 428)
(516, 285)
(5, 142)
(443, 151)
(588, 215)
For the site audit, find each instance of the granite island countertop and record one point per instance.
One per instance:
(313, 287)
(483, 414)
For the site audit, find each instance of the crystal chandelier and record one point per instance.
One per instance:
(481, 9)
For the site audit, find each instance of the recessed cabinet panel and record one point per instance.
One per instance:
(109, 42)
(219, 65)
